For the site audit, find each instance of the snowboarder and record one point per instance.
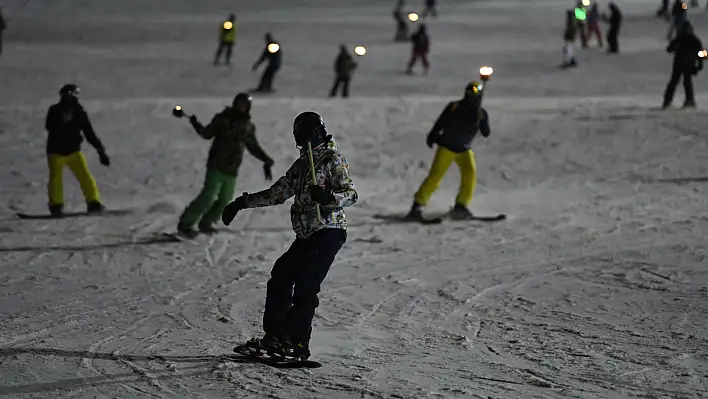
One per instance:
(569, 40)
(686, 63)
(273, 53)
(429, 9)
(615, 21)
(227, 37)
(453, 132)
(287, 320)
(401, 24)
(2, 28)
(344, 65)
(679, 14)
(65, 122)
(421, 48)
(232, 131)
(594, 23)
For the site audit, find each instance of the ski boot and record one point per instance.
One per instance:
(187, 232)
(460, 212)
(94, 207)
(415, 213)
(56, 211)
(207, 228)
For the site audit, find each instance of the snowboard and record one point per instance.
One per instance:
(245, 353)
(105, 212)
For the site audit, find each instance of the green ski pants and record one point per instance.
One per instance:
(218, 191)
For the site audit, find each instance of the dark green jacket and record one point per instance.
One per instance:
(232, 133)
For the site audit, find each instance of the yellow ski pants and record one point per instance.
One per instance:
(77, 164)
(443, 159)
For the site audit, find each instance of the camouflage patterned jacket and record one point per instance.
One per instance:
(332, 172)
(232, 133)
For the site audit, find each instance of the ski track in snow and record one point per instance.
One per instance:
(594, 287)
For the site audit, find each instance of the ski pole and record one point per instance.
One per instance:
(314, 178)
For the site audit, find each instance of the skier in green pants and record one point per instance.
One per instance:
(232, 131)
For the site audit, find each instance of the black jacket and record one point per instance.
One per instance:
(615, 17)
(273, 58)
(458, 125)
(344, 65)
(685, 49)
(65, 123)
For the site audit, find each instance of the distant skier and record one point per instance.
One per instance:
(344, 65)
(686, 63)
(569, 40)
(421, 48)
(679, 15)
(594, 23)
(663, 11)
(232, 132)
(401, 24)
(2, 28)
(615, 21)
(453, 132)
(273, 53)
(227, 37)
(287, 320)
(429, 9)
(66, 121)
(581, 20)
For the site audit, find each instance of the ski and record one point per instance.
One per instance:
(404, 219)
(106, 212)
(495, 218)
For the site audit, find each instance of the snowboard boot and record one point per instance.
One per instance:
(187, 231)
(299, 351)
(207, 228)
(415, 213)
(94, 207)
(460, 212)
(56, 211)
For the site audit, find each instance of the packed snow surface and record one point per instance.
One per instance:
(595, 287)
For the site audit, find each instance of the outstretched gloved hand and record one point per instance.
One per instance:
(105, 161)
(229, 213)
(267, 171)
(430, 140)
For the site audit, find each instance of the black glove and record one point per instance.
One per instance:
(105, 161)
(193, 120)
(267, 171)
(321, 195)
(430, 140)
(232, 209)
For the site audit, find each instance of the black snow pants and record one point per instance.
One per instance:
(223, 45)
(344, 82)
(303, 266)
(612, 39)
(687, 85)
(266, 83)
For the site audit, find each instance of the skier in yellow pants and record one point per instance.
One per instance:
(453, 132)
(66, 121)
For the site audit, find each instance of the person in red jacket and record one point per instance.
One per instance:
(421, 47)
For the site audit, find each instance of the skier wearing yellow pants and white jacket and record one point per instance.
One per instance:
(66, 121)
(453, 132)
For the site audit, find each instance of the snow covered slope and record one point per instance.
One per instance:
(596, 286)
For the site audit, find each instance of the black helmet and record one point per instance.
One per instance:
(309, 126)
(69, 89)
(243, 97)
